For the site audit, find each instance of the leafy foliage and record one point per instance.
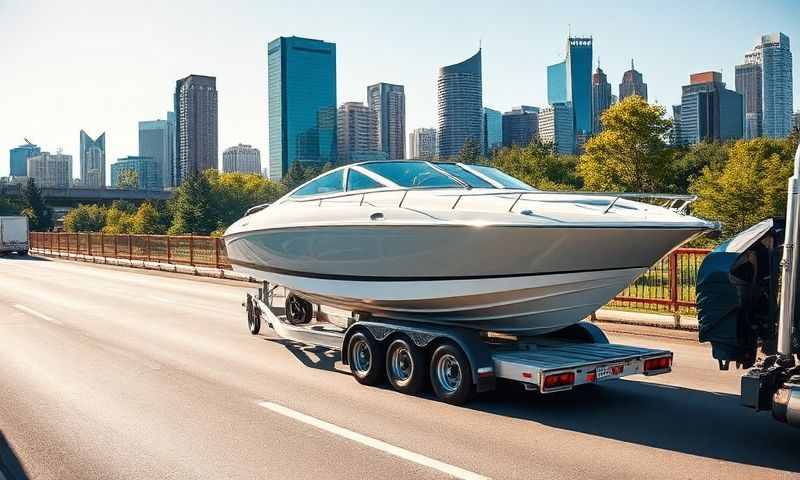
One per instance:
(470, 152)
(85, 218)
(128, 179)
(539, 165)
(747, 188)
(40, 216)
(688, 163)
(233, 193)
(191, 207)
(630, 153)
(147, 220)
(9, 207)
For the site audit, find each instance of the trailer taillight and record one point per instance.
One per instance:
(661, 363)
(558, 380)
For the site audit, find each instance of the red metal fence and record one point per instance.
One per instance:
(183, 250)
(669, 286)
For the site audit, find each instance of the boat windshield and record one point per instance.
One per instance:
(412, 174)
(501, 177)
(465, 176)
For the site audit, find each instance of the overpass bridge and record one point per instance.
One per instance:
(72, 197)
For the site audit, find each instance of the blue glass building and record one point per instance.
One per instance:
(148, 172)
(492, 130)
(571, 82)
(301, 76)
(557, 83)
(19, 158)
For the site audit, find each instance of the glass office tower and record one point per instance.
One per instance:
(459, 102)
(557, 83)
(19, 158)
(301, 76)
(579, 87)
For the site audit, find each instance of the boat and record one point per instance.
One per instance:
(456, 244)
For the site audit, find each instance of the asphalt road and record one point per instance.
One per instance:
(108, 372)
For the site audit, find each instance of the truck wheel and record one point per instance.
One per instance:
(298, 310)
(365, 357)
(253, 318)
(406, 366)
(23, 253)
(451, 375)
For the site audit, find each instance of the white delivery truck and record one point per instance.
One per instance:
(14, 235)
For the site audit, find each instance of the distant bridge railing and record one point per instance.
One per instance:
(669, 286)
(197, 251)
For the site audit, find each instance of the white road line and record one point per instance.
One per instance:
(33, 312)
(448, 469)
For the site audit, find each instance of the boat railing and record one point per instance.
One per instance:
(675, 202)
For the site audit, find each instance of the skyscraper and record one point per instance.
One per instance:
(195, 126)
(302, 103)
(357, 138)
(422, 144)
(709, 111)
(796, 120)
(389, 104)
(571, 82)
(242, 159)
(51, 170)
(93, 161)
(601, 97)
(675, 133)
(492, 130)
(749, 83)
(555, 125)
(520, 126)
(19, 158)
(459, 98)
(632, 84)
(156, 142)
(148, 172)
(776, 64)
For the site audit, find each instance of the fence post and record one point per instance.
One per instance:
(115, 246)
(130, 249)
(148, 248)
(103, 245)
(216, 252)
(169, 252)
(191, 249)
(673, 287)
(89, 244)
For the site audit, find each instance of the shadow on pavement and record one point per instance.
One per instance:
(24, 258)
(9, 463)
(325, 358)
(696, 422)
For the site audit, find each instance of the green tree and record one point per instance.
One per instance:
(538, 165)
(688, 163)
(470, 152)
(40, 216)
(128, 179)
(295, 177)
(85, 218)
(747, 188)
(146, 220)
(630, 153)
(191, 207)
(118, 220)
(9, 206)
(233, 193)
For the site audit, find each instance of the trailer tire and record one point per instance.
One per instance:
(451, 375)
(366, 358)
(23, 253)
(406, 366)
(253, 317)
(298, 310)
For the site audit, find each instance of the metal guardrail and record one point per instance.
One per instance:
(669, 286)
(197, 251)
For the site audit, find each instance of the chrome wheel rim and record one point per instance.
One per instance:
(401, 365)
(362, 357)
(448, 373)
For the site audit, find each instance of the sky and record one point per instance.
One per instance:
(102, 66)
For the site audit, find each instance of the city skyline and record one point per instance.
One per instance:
(507, 82)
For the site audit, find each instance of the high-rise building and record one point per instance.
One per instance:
(632, 84)
(520, 126)
(242, 159)
(357, 138)
(19, 158)
(93, 161)
(709, 111)
(302, 103)
(555, 125)
(51, 170)
(601, 97)
(156, 142)
(796, 120)
(148, 172)
(388, 102)
(675, 132)
(776, 65)
(749, 82)
(171, 122)
(422, 144)
(571, 82)
(492, 130)
(459, 98)
(196, 124)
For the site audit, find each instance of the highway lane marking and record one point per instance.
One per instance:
(33, 312)
(417, 458)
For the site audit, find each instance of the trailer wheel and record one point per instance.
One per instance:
(365, 356)
(406, 366)
(298, 310)
(253, 317)
(451, 375)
